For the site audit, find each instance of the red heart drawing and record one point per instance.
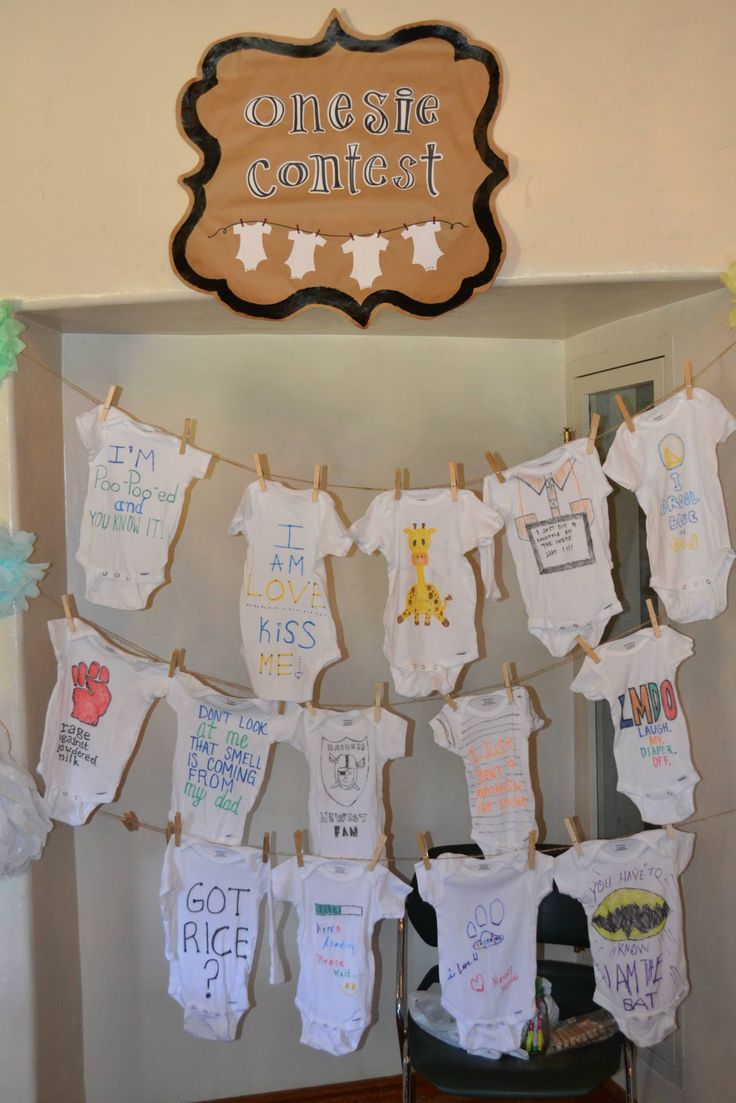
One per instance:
(477, 983)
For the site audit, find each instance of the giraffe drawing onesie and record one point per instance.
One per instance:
(423, 599)
(427, 641)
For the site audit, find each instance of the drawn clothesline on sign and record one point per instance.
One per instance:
(342, 237)
(242, 466)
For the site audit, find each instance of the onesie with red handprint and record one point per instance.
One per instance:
(95, 713)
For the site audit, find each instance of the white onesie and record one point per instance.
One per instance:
(491, 735)
(338, 905)
(630, 892)
(222, 749)
(670, 462)
(429, 618)
(556, 518)
(486, 941)
(301, 258)
(346, 753)
(210, 901)
(94, 716)
(285, 619)
(250, 248)
(135, 494)
(424, 238)
(637, 676)
(366, 253)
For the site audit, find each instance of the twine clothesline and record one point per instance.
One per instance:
(241, 465)
(322, 233)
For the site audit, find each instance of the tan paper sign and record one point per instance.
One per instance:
(347, 172)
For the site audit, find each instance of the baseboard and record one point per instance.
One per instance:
(387, 1089)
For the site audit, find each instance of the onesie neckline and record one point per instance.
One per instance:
(196, 689)
(424, 497)
(619, 647)
(624, 855)
(503, 704)
(549, 461)
(324, 716)
(659, 414)
(351, 870)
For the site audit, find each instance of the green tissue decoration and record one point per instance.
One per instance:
(10, 343)
(729, 280)
(18, 577)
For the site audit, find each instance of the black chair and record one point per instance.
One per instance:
(573, 1073)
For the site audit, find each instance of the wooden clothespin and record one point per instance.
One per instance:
(495, 467)
(298, 848)
(310, 708)
(266, 846)
(573, 833)
(131, 821)
(624, 413)
(589, 651)
(506, 671)
(177, 829)
(653, 618)
(377, 702)
(259, 470)
(453, 480)
(450, 701)
(671, 833)
(177, 659)
(109, 401)
(531, 852)
(422, 844)
(67, 601)
(593, 432)
(689, 378)
(186, 434)
(397, 483)
(377, 852)
(316, 481)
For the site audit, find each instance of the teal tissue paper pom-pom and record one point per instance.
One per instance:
(10, 344)
(18, 577)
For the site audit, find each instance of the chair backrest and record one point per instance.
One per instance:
(560, 922)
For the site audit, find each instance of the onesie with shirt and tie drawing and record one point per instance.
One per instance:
(94, 716)
(429, 618)
(486, 941)
(135, 495)
(637, 676)
(556, 517)
(338, 905)
(630, 892)
(670, 462)
(287, 627)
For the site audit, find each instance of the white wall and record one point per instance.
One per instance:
(617, 120)
(362, 408)
(699, 330)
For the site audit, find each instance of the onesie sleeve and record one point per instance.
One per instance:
(334, 538)
(487, 551)
(590, 681)
(284, 882)
(478, 523)
(87, 427)
(389, 896)
(58, 637)
(566, 874)
(392, 735)
(283, 726)
(720, 421)
(170, 887)
(544, 870)
(684, 844)
(298, 732)
(243, 518)
(681, 647)
(196, 463)
(536, 722)
(623, 463)
(277, 974)
(373, 531)
(151, 678)
(441, 726)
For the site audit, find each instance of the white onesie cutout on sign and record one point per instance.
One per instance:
(135, 494)
(630, 891)
(210, 902)
(94, 716)
(429, 618)
(426, 250)
(556, 517)
(670, 462)
(491, 735)
(288, 631)
(366, 253)
(338, 905)
(301, 257)
(346, 753)
(221, 756)
(486, 941)
(250, 250)
(637, 676)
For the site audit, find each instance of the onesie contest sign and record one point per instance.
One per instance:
(347, 172)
